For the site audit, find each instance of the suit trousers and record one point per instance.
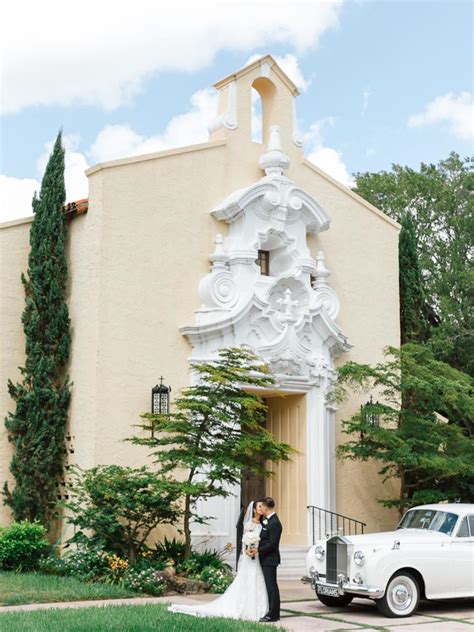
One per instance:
(270, 576)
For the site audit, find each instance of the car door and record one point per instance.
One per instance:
(462, 559)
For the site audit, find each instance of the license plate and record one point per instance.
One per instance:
(327, 590)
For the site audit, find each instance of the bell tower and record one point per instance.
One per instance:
(277, 92)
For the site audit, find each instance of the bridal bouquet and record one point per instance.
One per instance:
(251, 539)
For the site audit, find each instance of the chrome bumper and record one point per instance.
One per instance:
(345, 587)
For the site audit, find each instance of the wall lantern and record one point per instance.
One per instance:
(160, 398)
(371, 413)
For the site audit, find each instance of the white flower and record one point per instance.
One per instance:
(251, 538)
(265, 522)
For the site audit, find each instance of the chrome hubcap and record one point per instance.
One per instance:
(401, 594)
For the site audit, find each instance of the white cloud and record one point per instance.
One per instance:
(326, 158)
(16, 193)
(457, 110)
(15, 197)
(94, 53)
(330, 160)
(120, 141)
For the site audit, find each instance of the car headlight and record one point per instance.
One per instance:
(319, 553)
(359, 558)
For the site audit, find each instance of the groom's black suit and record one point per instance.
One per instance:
(269, 555)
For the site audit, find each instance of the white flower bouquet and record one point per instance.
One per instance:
(251, 540)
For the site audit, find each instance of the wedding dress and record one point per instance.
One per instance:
(246, 598)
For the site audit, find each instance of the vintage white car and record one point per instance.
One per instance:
(430, 555)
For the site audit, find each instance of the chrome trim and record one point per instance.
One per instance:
(345, 587)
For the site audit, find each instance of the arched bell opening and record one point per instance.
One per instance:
(266, 90)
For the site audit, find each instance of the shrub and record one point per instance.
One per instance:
(170, 550)
(147, 580)
(199, 560)
(120, 506)
(86, 564)
(216, 578)
(22, 545)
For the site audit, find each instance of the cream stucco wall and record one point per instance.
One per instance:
(136, 259)
(14, 247)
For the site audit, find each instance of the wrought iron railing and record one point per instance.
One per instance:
(325, 523)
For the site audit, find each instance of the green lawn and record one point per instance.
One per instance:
(152, 618)
(20, 588)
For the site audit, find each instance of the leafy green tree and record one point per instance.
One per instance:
(414, 321)
(440, 200)
(217, 431)
(417, 442)
(117, 508)
(37, 426)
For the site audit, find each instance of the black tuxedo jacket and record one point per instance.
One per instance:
(269, 545)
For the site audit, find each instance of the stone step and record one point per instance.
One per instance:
(292, 562)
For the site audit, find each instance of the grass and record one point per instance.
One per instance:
(22, 588)
(124, 618)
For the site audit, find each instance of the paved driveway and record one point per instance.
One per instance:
(301, 611)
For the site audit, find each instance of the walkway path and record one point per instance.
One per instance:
(301, 612)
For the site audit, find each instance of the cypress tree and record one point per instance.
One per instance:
(414, 323)
(37, 426)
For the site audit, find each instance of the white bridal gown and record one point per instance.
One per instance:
(246, 598)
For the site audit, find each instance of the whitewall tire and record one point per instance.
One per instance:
(402, 596)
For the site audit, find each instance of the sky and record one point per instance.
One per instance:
(381, 81)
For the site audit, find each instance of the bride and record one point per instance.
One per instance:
(246, 598)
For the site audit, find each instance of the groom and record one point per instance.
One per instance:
(269, 556)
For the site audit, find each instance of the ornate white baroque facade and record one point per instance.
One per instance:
(288, 316)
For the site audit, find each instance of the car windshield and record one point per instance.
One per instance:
(429, 519)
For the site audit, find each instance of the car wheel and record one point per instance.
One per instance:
(335, 602)
(401, 596)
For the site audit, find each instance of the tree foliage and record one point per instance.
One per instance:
(414, 312)
(440, 200)
(37, 426)
(423, 435)
(217, 431)
(116, 508)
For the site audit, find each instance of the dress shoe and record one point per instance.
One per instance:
(268, 620)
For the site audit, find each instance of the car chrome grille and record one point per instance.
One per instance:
(336, 558)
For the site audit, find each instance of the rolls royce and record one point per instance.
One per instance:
(430, 555)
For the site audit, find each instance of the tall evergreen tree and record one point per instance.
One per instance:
(439, 199)
(414, 322)
(37, 427)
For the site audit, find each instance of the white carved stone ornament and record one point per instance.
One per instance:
(289, 316)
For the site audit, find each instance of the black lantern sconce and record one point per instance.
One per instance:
(160, 398)
(371, 413)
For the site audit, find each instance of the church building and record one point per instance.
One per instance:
(177, 254)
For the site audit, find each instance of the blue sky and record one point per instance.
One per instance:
(381, 81)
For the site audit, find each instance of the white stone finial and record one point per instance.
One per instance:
(219, 258)
(321, 273)
(274, 161)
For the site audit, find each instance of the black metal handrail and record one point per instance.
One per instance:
(326, 523)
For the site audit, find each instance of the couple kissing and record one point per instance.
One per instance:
(254, 594)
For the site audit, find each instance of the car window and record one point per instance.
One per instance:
(471, 524)
(429, 519)
(463, 531)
